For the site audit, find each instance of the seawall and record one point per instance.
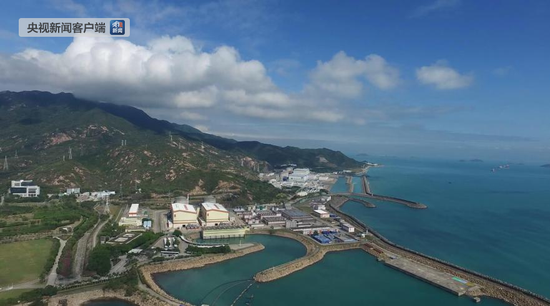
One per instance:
(314, 253)
(148, 271)
(491, 286)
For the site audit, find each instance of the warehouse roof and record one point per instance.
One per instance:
(214, 206)
(134, 209)
(184, 208)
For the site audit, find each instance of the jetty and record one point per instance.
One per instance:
(368, 194)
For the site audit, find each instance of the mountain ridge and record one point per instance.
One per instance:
(43, 127)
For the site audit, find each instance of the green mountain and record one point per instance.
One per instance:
(62, 141)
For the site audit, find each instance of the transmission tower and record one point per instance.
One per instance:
(170, 134)
(107, 210)
(6, 167)
(16, 154)
(70, 153)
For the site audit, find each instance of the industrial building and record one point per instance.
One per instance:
(24, 189)
(300, 175)
(296, 215)
(348, 227)
(321, 214)
(183, 214)
(213, 214)
(133, 212)
(274, 221)
(220, 232)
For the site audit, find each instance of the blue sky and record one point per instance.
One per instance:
(442, 78)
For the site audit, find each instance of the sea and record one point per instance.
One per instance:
(497, 223)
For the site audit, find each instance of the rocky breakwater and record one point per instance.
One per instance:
(148, 271)
(315, 252)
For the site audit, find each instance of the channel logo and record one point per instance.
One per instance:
(117, 27)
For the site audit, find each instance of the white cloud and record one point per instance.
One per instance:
(340, 77)
(438, 5)
(379, 73)
(172, 76)
(442, 76)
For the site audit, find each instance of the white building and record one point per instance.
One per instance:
(133, 212)
(70, 191)
(299, 175)
(183, 214)
(321, 213)
(24, 189)
(213, 214)
(348, 227)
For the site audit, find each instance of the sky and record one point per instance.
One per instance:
(455, 79)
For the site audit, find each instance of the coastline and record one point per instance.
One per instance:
(490, 287)
(314, 253)
(148, 271)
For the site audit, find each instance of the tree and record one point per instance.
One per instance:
(177, 233)
(100, 260)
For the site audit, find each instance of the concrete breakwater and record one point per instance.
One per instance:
(341, 200)
(407, 203)
(491, 287)
(148, 271)
(314, 254)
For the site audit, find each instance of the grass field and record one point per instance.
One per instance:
(23, 261)
(12, 293)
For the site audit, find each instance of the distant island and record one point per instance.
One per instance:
(475, 160)
(546, 166)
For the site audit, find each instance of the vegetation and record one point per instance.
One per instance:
(177, 233)
(23, 261)
(212, 250)
(51, 258)
(89, 220)
(128, 282)
(100, 260)
(21, 220)
(189, 160)
(34, 297)
(101, 256)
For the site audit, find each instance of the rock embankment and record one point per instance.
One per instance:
(314, 253)
(148, 271)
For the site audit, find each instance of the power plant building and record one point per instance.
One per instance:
(183, 214)
(213, 214)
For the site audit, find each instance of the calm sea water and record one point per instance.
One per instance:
(351, 277)
(497, 223)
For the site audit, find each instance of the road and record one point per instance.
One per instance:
(52, 277)
(159, 221)
(34, 284)
(82, 251)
